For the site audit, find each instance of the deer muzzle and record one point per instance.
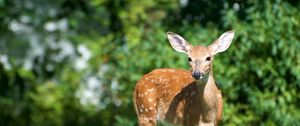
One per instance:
(197, 75)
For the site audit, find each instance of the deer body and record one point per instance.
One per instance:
(186, 102)
(180, 96)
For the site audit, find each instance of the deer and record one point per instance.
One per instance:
(183, 97)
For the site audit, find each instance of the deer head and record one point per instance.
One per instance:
(200, 57)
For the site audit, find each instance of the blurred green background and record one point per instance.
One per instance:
(76, 62)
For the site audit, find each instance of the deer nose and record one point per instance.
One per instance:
(197, 75)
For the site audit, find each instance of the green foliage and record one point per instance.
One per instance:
(76, 62)
(266, 81)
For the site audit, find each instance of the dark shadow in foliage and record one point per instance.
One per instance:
(202, 11)
(294, 3)
(207, 11)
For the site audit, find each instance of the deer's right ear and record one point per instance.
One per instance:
(178, 43)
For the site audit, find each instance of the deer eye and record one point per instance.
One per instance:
(190, 59)
(208, 58)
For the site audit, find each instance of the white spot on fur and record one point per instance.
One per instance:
(163, 70)
(150, 99)
(152, 81)
(171, 70)
(151, 90)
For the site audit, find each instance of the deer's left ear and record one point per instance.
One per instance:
(222, 43)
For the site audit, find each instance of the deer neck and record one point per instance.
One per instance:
(207, 81)
(206, 88)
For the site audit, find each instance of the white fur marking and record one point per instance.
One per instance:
(171, 70)
(152, 81)
(151, 90)
(150, 99)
